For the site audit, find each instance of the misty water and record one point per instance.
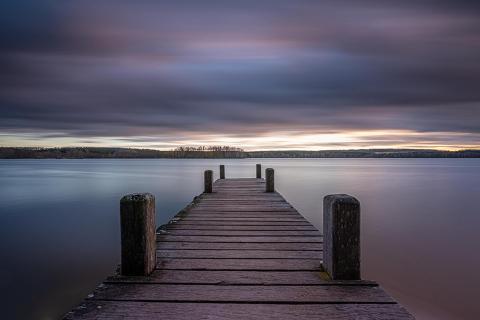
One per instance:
(59, 223)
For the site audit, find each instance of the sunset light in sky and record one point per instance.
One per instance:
(261, 75)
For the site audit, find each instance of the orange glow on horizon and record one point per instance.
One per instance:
(287, 140)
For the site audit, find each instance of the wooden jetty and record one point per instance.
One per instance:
(239, 251)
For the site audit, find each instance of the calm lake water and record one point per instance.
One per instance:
(59, 223)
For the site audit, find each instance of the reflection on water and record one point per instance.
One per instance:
(59, 223)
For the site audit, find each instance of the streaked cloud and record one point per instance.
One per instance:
(260, 74)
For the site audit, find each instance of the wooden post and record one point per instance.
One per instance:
(222, 171)
(137, 220)
(341, 237)
(270, 185)
(208, 181)
(259, 171)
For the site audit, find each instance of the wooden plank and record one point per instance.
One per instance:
(240, 228)
(222, 203)
(235, 197)
(240, 213)
(246, 293)
(129, 310)
(242, 209)
(233, 277)
(261, 220)
(241, 199)
(238, 246)
(251, 201)
(239, 264)
(232, 233)
(260, 189)
(245, 188)
(239, 254)
(248, 203)
(264, 215)
(241, 223)
(258, 239)
(239, 193)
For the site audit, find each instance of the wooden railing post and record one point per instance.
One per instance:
(222, 171)
(259, 171)
(270, 183)
(208, 181)
(341, 237)
(138, 235)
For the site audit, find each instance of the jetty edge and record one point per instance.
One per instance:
(239, 251)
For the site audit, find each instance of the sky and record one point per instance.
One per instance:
(261, 75)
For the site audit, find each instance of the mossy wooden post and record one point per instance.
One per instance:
(222, 171)
(270, 183)
(341, 237)
(259, 171)
(208, 181)
(137, 220)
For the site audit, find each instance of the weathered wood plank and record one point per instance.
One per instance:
(240, 228)
(242, 223)
(261, 220)
(258, 239)
(247, 201)
(239, 246)
(247, 293)
(238, 277)
(239, 264)
(263, 215)
(245, 214)
(235, 197)
(239, 254)
(241, 199)
(127, 310)
(232, 233)
(243, 209)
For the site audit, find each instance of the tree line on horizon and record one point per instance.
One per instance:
(208, 152)
(221, 152)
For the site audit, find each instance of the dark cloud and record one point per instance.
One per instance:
(140, 69)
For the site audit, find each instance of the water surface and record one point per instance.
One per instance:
(59, 223)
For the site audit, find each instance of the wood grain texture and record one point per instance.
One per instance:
(137, 220)
(241, 228)
(232, 277)
(231, 233)
(240, 264)
(247, 293)
(245, 219)
(107, 310)
(302, 246)
(239, 254)
(258, 239)
(242, 223)
(253, 214)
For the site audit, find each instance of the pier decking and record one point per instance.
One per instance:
(238, 253)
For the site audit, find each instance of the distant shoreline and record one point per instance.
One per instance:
(127, 153)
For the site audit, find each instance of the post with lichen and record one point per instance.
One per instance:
(259, 171)
(270, 183)
(222, 171)
(208, 181)
(138, 236)
(341, 237)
